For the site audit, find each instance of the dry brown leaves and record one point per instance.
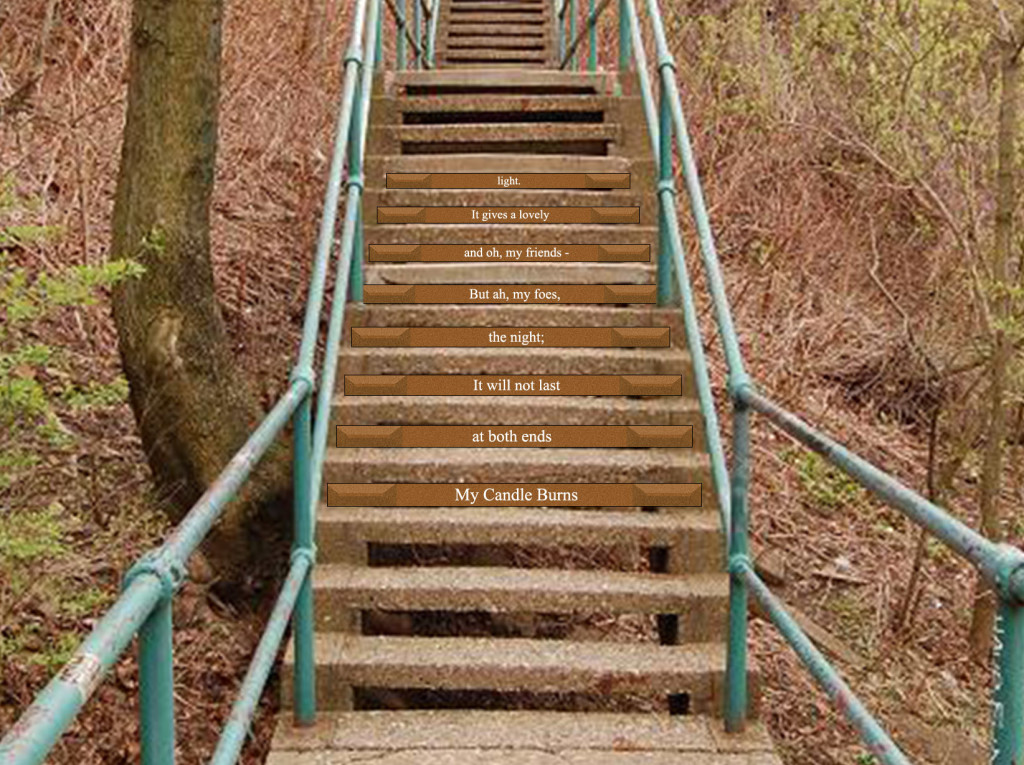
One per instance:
(62, 90)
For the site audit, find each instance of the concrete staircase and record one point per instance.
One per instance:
(495, 33)
(492, 635)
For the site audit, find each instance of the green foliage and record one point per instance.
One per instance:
(27, 537)
(909, 79)
(828, 486)
(42, 385)
(36, 384)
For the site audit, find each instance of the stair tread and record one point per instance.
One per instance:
(530, 361)
(510, 273)
(526, 234)
(518, 410)
(532, 30)
(502, 78)
(519, 315)
(519, 465)
(487, 589)
(517, 664)
(502, 197)
(500, 163)
(499, 456)
(520, 731)
(476, 17)
(638, 407)
(522, 525)
(612, 356)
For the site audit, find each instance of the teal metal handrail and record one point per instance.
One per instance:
(144, 606)
(1001, 565)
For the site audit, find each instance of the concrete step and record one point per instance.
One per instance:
(378, 195)
(514, 737)
(540, 18)
(510, 30)
(493, 664)
(700, 600)
(515, 66)
(502, 42)
(510, 273)
(532, 82)
(481, 57)
(489, 108)
(513, 138)
(412, 233)
(518, 410)
(455, 10)
(368, 465)
(379, 164)
(695, 532)
(513, 361)
(513, 315)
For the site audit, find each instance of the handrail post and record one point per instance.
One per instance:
(592, 38)
(739, 556)
(417, 28)
(665, 197)
(355, 173)
(625, 54)
(560, 25)
(400, 15)
(304, 680)
(156, 685)
(378, 59)
(572, 30)
(430, 37)
(1008, 696)
(355, 279)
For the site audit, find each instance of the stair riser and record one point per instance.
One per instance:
(334, 683)
(700, 620)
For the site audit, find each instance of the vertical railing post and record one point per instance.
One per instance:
(592, 38)
(401, 10)
(378, 59)
(428, 34)
(417, 49)
(1008, 696)
(560, 26)
(355, 279)
(572, 31)
(665, 199)
(739, 556)
(355, 170)
(304, 683)
(156, 685)
(625, 52)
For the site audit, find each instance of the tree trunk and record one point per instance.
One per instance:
(192, 405)
(983, 617)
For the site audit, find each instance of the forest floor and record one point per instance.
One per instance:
(72, 525)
